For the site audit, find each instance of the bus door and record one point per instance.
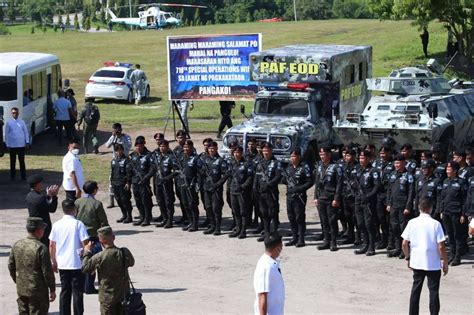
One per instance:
(49, 100)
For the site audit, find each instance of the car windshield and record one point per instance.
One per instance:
(8, 88)
(109, 74)
(281, 106)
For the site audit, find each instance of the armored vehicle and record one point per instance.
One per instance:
(302, 90)
(417, 105)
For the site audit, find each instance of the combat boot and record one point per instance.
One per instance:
(146, 222)
(259, 229)
(324, 245)
(169, 224)
(139, 222)
(124, 216)
(111, 202)
(301, 242)
(292, 242)
(128, 219)
(456, 261)
(333, 247)
(205, 224)
(243, 229)
(187, 227)
(210, 229)
(294, 239)
(371, 250)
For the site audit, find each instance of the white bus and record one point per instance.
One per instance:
(29, 81)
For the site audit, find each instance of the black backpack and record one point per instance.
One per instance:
(92, 115)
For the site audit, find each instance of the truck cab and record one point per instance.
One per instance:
(302, 90)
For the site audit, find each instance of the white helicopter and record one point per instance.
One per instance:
(152, 17)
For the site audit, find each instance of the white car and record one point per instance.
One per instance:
(113, 82)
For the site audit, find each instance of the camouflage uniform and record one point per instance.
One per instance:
(112, 269)
(30, 268)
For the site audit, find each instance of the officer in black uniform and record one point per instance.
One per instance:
(226, 109)
(204, 156)
(424, 155)
(385, 167)
(438, 157)
(255, 193)
(368, 185)
(189, 166)
(327, 196)
(410, 164)
(469, 204)
(163, 163)
(121, 180)
(241, 174)
(215, 173)
(349, 190)
(251, 154)
(426, 186)
(270, 169)
(298, 178)
(400, 195)
(178, 155)
(141, 174)
(453, 212)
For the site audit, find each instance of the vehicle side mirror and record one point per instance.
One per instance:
(242, 109)
(433, 110)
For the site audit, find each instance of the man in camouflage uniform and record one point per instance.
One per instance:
(327, 196)
(298, 178)
(163, 164)
(267, 185)
(30, 268)
(112, 267)
(215, 173)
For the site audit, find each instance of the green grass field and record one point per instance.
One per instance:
(394, 44)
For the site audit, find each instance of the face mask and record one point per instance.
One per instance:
(75, 151)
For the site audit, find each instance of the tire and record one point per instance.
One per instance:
(130, 97)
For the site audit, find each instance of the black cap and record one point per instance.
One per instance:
(34, 179)
(428, 163)
(238, 148)
(399, 157)
(461, 153)
(454, 165)
(365, 153)
(33, 223)
(267, 145)
(296, 151)
(158, 136)
(140, 140)
(325, 149)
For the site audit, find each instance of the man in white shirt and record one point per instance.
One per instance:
(73, 174)
(268, 281)
(67, 239)
(138, 79)
(17, 139)
(424, 247)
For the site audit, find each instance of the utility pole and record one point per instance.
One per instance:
(130, 8)
(294, 9)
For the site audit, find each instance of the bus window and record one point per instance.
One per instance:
(27, 95)
(362, 71)
(54, 79)
(8, 88)
(44, 84)
(349, 74)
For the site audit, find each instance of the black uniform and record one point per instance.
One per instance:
(40, 205)
(328, 187)
(440, 171)
(163, 166)
(209, 214)
(188, 181)
(385, 170)
(400, 195)
(226, 109)
(426, 188)
(451, 206)
(368, 183)
(411, 166)
(349, 190)
(254, 204)
(215, 175)
(298, 180)
(267, 186)
(469, 204)
(141, 174)
(121, 175)
(178, 154)
(240, 187)
(255, 193)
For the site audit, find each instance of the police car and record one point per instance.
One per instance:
(113, 82)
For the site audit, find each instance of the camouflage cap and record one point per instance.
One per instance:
(105, 231)
(33, 223)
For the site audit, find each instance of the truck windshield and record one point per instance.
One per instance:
(281, 106)
(8, 89)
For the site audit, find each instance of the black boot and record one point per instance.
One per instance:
(128, 219)
(243, 229)
(217, 230)
(301, 232)
(123, 217)
(324, 245)
(195, 221)
(111, 202)
(371, 248)
(205, 224)
(294, 239)
(333, 247)
(259, 229)
(139, 222)
(210, 229)
(266, 228)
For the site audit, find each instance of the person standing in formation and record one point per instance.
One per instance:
(121, 181)
(30, 268)
(17, 140)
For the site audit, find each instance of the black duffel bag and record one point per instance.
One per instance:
(132, 303)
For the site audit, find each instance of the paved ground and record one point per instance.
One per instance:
(191, 273)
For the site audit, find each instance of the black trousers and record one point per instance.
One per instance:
(269, 208)
(328, 217)
(66, 124)
(190, 200)
(295, 207)
(123, 199)
(20, 152)
(214, 201)
(455, 233)
(398, 221)
(433, 285)
(142, 196)
(165, 199)
(71, 195)
(366, 213)
(383, 216)
(348, 204)
(425, 48)
(72, 285)
(225, 121)
(241, 207)
(178, 194)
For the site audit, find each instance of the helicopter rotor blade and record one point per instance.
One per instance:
(180, 5)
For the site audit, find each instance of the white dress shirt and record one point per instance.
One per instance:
(72, 163)
(268, 279)
(16, 133)
(424, 233)
(68, 234)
